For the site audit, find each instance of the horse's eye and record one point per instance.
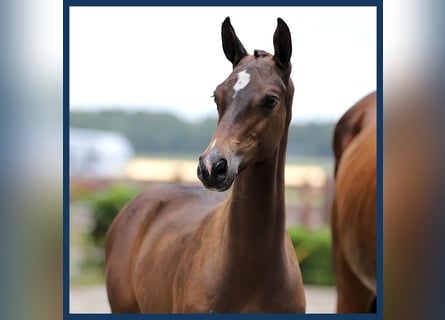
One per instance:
(270, 102)
(215, 99)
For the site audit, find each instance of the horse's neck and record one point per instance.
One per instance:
(256, 210)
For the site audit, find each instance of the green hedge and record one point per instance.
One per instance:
(105, 205)
(314, 251)
(313, 247)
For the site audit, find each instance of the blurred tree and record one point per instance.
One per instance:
(152, 132)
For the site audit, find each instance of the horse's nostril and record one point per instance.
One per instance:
(220, 170)
(202, 171)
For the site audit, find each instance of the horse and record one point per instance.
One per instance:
(189, 249)
(354, 209)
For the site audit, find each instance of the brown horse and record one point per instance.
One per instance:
(187, 249)
(354, 211)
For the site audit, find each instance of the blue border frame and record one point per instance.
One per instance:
(66, 123)
(380, 158)
(66, 153)
(221, 3)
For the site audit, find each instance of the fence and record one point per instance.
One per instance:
(309, 190)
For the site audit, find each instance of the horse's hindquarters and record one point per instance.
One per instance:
(357, 207)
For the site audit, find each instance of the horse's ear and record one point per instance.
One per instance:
(232, 46)
(283, 44)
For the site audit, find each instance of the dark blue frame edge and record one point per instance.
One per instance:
(66, 191)
(380, 158)
(66, 124)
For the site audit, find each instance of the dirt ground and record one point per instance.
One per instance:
(93, 299)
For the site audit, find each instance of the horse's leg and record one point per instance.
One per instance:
(352, 295)
(121, 299)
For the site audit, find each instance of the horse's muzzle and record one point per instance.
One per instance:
(213, 173)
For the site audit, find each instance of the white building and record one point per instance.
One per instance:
(98, 154)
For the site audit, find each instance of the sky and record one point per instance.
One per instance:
(170, 59)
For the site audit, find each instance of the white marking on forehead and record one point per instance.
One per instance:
(242, 82)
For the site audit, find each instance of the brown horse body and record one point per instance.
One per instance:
(354, 210)
(187, 249)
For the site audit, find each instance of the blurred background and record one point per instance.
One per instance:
(141, 112)
(31, 130)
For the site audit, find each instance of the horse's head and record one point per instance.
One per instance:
(254, 108)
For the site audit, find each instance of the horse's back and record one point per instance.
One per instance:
(358, 117)
(146, 241)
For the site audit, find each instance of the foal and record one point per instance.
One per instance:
(187, 249)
